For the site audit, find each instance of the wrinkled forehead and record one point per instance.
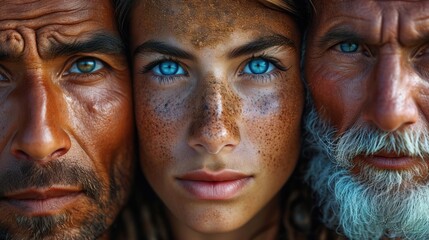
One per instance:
(49, 22)
(410, 9)
(206, 22)
(376, 21)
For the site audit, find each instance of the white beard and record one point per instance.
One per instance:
(375, 202)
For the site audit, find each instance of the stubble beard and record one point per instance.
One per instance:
(105, 201)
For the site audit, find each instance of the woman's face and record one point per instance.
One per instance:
(218, 101)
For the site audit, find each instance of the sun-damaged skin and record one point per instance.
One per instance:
(383, 83)
(217, 144)
(66, 122)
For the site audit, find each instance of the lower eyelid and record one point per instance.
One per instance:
(263, 78)
(165, 80)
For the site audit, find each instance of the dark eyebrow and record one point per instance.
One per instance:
(336, 35)
(102, 43)
(261, 44)
(163, 48)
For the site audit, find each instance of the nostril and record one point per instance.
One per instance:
(58, 153)
(21, 154)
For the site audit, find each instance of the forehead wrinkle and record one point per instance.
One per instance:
(37, 9)
(390, 23)
(39, 17)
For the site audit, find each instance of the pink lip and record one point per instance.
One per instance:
(221, 185)
(390, 161)
(44, 201)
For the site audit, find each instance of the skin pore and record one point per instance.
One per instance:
(65, 153)
(218, 102)
(366, 67)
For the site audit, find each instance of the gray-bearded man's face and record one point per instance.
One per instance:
(367, 69)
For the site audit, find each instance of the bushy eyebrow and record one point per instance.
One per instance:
(261, 44)
(102, 43)
(338, 35)
(163, 48)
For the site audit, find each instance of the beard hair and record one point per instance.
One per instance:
(106, 199)
(376, 202)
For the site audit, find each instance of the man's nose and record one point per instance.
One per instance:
(391, 104)
(39, 136)
(214, 127)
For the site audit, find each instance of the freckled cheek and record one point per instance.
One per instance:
(161, 124)
(274, 123)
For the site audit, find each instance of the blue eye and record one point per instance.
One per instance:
(167, 68)
(348, 47)
(258, 66)
(2, 78)
(86, 65)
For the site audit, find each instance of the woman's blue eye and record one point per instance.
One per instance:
(348, 47)
(167, 68)
(86, 65)
(258, 66)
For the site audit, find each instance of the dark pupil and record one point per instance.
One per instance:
(169, 68)
(258, 66)
(86, 65)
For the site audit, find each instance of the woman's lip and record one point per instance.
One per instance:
(215, 190)
(220, 176)
(39, 202)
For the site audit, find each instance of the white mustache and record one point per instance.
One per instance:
(365, 140)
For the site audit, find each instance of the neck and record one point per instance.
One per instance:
(263, 226)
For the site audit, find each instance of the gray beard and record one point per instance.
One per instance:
(375, 202)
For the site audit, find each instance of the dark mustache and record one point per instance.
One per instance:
(34, 175)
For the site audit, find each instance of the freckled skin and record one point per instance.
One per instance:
(384, 83)
(204, 27)
(215, 118)
(73, 129)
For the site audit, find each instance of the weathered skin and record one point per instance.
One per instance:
(215, 117)
(63, 132)
(384, 83)
(381, 85)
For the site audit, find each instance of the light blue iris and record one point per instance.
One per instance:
(168, 68)
(258, 66)
(348, 47)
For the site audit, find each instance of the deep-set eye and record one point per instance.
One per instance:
(86, 65)
(168, 68)
(348, 47)
(258, 66)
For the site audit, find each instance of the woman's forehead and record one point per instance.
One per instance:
(204, 23)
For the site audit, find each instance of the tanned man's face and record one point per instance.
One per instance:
(367, 65)
(65, 119)
(218, 105)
